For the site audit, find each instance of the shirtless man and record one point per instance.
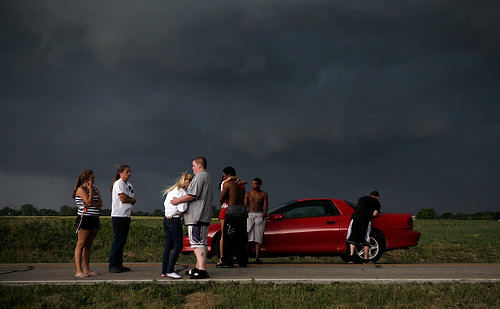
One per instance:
(234, 230)
(257, 203)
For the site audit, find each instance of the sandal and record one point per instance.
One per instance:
(91, 273)
(82, 275)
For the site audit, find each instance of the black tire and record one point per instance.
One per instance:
(377, 248)
(345, 257)
(215, 246)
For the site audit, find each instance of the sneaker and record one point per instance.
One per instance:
(123, 268)
(174, 275)
(191, 271)
(115, 270)
(163, 275)
(200, 274)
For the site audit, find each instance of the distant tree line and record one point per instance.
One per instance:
(429, 213)
(30, 210)
(65, 210)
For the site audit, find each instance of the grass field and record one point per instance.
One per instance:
(52, 240)
(238, 295)
(452, 241)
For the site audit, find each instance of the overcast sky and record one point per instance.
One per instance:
(317, 98)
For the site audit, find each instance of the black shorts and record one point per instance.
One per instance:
(88, 222)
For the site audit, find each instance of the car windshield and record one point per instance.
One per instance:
(277, 209)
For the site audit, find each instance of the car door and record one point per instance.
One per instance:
(306, 227)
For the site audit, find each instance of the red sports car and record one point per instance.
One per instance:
(319, 227)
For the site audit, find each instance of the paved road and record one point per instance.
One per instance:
(276, 273)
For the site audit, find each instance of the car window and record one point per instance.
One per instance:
(330, 208)
(305, 212)
(311, 208)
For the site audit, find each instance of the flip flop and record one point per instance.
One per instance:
(92, 273)
(81, 275)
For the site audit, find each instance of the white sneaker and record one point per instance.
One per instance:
(174, 275)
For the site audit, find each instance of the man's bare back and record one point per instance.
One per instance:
(232, 193)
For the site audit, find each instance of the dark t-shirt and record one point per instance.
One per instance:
(365, 208)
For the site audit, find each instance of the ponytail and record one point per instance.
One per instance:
(119, 169)
(84, 176)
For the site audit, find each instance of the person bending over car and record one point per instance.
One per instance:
(361, 224)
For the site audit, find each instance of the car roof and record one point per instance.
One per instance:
(287, 203)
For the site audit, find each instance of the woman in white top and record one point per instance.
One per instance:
(173, 226)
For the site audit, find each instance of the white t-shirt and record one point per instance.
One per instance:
(172, 210)
(119, 209)
(225, 205)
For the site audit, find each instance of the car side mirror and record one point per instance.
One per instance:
(275, 217)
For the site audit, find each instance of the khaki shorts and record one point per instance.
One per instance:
(255, 227)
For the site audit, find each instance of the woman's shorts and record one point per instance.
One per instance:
(88, 222)
(222, 213)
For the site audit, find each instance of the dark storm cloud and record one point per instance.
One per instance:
(318, 98)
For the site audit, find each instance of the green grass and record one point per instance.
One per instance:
(53, 239)
(452, 241)
(411, 295)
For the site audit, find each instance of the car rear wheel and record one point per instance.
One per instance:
(345, 257)
(377, 248)
(215, 245)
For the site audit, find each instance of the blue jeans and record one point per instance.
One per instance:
(121, 225)
(173, 242)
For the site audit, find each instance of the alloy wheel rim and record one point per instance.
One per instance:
(374, 249)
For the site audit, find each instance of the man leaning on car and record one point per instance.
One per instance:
(361, 223)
